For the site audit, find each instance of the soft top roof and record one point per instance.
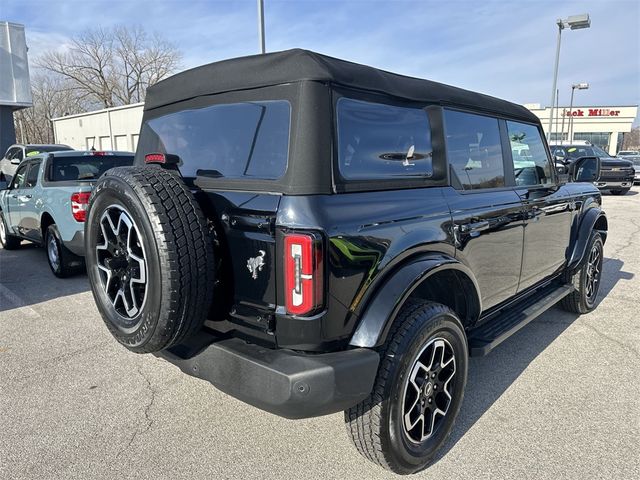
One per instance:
(299, 65)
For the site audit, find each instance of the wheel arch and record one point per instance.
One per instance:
(593, 219)
(426, 278)
(46, 219)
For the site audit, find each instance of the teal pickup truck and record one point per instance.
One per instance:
(46, 203)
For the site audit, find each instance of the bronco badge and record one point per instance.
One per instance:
(255, 264)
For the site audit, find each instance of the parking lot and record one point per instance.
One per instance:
(561, 399)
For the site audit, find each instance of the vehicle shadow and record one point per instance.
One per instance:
(489, 377)
(25, 279)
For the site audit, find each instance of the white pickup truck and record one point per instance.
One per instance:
(46, 203)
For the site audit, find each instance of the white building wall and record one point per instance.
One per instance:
(614, 120)
(113, 128)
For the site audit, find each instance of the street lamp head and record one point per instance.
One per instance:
(580, 86)
(577, 22)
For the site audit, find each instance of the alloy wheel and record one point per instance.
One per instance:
(53, 253)
(427, 395)
(121, 262)
(594, 271)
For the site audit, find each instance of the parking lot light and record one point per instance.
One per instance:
(573, 22)
(579, 86)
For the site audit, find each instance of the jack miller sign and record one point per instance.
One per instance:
(591, 112)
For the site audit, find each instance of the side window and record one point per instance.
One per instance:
(382, 141)
(32, 175)
(530, 162)
(474, 149)
(19, 154)
(19, 177)
(10, 153)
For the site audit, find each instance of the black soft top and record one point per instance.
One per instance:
(299, 65)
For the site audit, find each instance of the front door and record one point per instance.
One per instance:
(547, 205)
(15, 199)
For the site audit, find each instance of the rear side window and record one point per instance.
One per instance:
(474, 149)
(238, 140)
(84, 167)
(32, 175)
(530, 162)
(382, 141)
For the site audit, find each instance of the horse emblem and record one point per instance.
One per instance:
(255, 264)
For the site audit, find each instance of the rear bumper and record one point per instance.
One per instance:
(76, 244)
(283, 382)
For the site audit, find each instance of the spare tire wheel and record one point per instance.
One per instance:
(149, 257)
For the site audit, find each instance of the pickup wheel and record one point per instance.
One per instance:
(8, 241)
(149, 256)
(418, 390)
(586, 281)
(62, 261)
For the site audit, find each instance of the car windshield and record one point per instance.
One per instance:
(88, 167)
(577, 151)
(636, 161)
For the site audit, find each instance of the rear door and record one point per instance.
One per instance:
(30, 207)
(487, 213)
(548, 206)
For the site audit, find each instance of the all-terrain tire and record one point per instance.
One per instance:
(375, 425)
(61, 260)
(582, 300)
(146, 233)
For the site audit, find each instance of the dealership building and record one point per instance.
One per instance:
(604, 126)
(118, 128)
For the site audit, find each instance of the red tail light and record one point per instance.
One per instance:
(303, 279)
(79, 204)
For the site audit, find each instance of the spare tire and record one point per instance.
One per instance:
(149, 257)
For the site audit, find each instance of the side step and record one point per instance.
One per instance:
(505, 323)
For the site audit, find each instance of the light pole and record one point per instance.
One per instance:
(261, 25)
(574, 22)
(579, 86)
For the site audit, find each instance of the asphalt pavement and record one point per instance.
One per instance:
(559, 400)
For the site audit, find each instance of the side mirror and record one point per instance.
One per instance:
(4, 185)
(15, 161)
(585, 169)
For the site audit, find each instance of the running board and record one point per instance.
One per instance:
(494, 331)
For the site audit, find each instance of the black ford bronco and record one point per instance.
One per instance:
(312, 235)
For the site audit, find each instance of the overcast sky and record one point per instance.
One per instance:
(503, 48)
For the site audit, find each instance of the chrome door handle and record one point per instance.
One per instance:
(475, 226)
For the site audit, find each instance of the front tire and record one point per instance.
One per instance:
(417, 393)
(62, 261)
(8, 241)
(586, 281)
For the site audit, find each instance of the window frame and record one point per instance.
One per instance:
(507, 157)
(440, 175)
(547, 150)
(30, 166)
(24, 166)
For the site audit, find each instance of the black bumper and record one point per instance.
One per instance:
(76, 244)
(283, 382)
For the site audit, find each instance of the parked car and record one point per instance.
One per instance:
(636, 168)
(46, 203)
(18, 152)
(616, 175)
(311, 235)
(628, 153)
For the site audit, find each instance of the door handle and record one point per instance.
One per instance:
(475, 226)
(26, 197)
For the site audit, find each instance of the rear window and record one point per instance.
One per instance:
(382, 141)
(239, 140)
(86, 167)
(31, 151)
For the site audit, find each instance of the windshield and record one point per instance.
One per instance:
(578, 151)
(89, 167)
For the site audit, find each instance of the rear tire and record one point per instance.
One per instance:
(149, 255)
(586, 281)
(386, 426)
(62, 261)
(7, 240)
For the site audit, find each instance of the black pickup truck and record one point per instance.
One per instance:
(312, 235)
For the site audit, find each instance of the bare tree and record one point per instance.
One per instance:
(632, 139)
(115, 66)
(53, 96)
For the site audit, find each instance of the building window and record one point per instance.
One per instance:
(557, 136)
(600, 139)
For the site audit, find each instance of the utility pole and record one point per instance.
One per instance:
(261, 25)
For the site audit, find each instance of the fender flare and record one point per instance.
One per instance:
(382, 310)
(588, 223)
